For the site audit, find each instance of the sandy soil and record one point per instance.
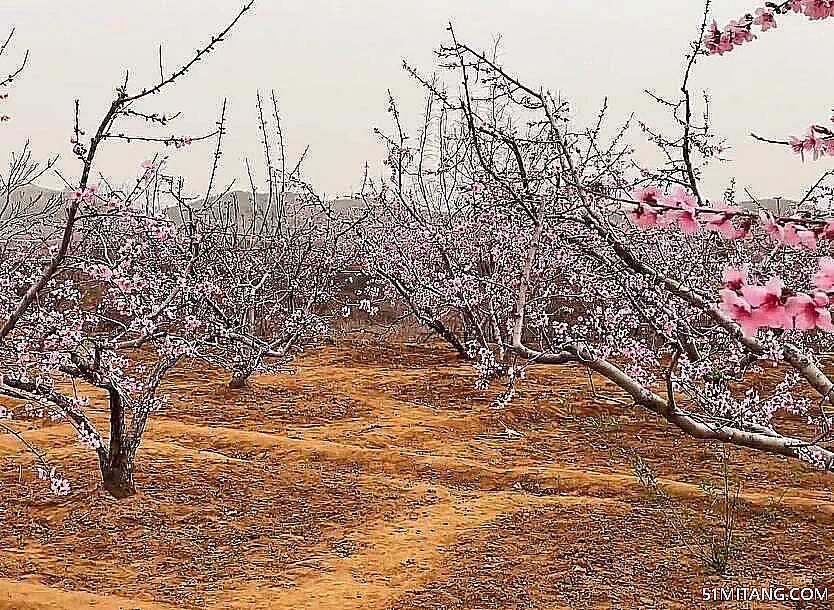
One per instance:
(378, 477)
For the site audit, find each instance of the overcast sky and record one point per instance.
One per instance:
(331, 63)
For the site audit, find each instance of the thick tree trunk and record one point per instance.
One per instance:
(116, 459)
(238, 380)
(240, 376)
(242, 372)
(116, 463)
(117, 475)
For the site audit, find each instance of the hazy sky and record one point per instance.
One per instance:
(331, 63)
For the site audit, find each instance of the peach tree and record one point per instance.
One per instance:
(553, 244)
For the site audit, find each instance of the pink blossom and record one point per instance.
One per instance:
(89, 438)
(814, 143)
(645, 216)
(792, 236)
(807, 238)
(124, 284)
(739, 32)
(735, 277)
(828, 230)
(101, 272)
(768, 302)
(58, 485)
(809, 312)
(819, 9)
(771, 227)
(648, 195)
(739, 310)
(797, 145)
(642, 213)
(765, 19)
(87, 195)
(79, 404)
(685, 214)
(721, 221)
(716, 41)
(788, 233)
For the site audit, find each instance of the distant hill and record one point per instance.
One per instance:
(32, 199)
(240, 204)
(776, 205)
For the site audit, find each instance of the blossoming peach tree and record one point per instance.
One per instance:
(778, 280)
(273, 283)
(437, 244)
(103, 295)
(578, 254)
(274, 257)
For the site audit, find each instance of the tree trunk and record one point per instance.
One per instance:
(450, 337)
(117, 474)
(116, 462)
(238, 380)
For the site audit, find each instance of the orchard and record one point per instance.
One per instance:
(514, 239)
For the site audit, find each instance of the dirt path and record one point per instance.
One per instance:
(401, 556)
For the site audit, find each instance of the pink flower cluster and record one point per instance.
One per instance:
(89, 438)
(813, 9)
(653, 208)
(58, 485)
(819, 141)
(175, 347)
(772, 305)
(738, 31)
(149, 170)
(87, 195)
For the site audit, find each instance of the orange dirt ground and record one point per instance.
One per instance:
(378, 477)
